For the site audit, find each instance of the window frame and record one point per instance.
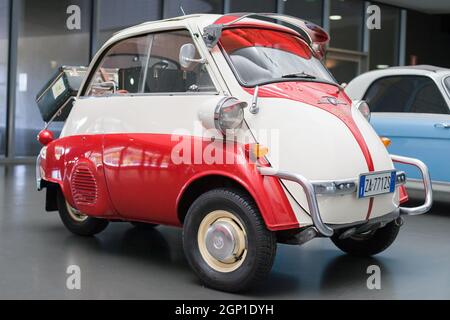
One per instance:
(104, 52)
(409, 105)
(446, 88)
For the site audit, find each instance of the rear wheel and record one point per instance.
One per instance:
(370, 243)
(226, 241)
(77, 222)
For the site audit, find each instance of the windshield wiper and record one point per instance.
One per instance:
(299, 75)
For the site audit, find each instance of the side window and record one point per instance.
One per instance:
(390, 94)
(429, 100)
(150, 64)
(122, 70)
(407, 93)
(165, 74)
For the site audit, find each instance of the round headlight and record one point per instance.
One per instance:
(363, 107)
(229, 114)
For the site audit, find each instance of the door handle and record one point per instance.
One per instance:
(442, 125)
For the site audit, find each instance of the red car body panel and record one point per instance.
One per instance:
(136, 179)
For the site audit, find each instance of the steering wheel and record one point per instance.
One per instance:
(161, 65)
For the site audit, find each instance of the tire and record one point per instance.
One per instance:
(370, 244)
(143, 225)
(254, 246)
(78, 223)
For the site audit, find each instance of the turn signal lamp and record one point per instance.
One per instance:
(386, 141)
(256, 151)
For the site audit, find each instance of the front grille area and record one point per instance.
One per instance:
(84, 186)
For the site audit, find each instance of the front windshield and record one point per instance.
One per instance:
(261, 56)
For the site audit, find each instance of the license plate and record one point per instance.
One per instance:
(373, 184)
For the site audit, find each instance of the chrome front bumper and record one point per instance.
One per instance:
(426, 182)
(313, 189)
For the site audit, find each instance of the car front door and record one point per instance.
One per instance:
(154, 103)
(412, 112)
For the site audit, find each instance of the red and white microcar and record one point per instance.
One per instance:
(231, 128)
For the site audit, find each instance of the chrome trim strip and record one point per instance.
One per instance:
(309, 189)
(38, 173)
(154, 94)
(427, 184)
(335, 188)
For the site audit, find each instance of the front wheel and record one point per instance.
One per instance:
(370, 243)
(226, 241)
(76, 222)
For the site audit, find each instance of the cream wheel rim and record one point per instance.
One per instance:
(222, 241)
(75, 214)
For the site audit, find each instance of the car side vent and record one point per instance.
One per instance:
(84, 186)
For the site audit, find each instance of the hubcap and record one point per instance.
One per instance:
(75, 214)
(222, 241)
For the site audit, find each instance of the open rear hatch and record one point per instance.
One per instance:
(55, 100)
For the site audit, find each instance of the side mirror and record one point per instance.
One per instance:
(187, 55)
(45, 137)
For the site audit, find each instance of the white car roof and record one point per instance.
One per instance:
(359, 85)
(202, 20)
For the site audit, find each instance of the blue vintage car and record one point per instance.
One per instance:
(411, 106)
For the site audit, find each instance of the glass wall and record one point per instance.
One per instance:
(4, 21)
(384, 42)
(172, 7)
(253, 6)
(346, 24)
(49, 35)
(344, 70)
(48, 38)
(115, 15)
(310, 10)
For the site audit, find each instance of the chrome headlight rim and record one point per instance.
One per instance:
(218, 112)
(361, 105)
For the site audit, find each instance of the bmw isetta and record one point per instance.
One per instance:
(230, 127)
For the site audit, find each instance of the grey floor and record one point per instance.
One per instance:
(126, 263)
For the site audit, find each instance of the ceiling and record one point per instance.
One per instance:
(429, 6)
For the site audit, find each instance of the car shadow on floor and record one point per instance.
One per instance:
(146, 245)
(162, 247)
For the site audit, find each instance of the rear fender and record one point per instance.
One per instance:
(65, 161)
